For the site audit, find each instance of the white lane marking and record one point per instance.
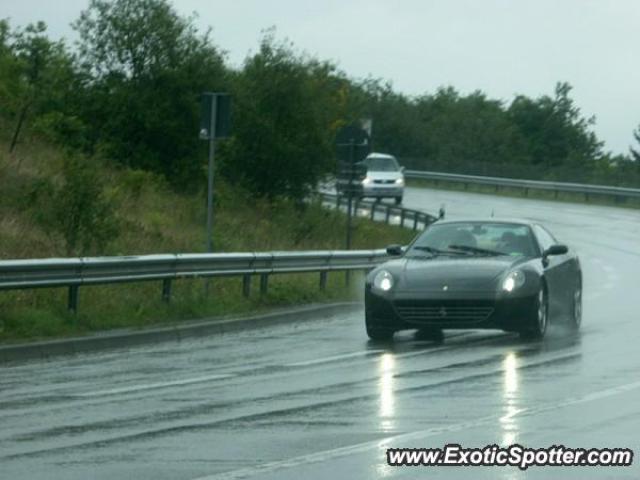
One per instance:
(151, 386)
(396, 440)
(364, 353)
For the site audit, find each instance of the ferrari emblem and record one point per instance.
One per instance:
(443, 312)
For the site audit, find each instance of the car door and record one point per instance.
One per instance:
(557, 273)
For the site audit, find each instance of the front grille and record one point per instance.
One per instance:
(434, 311)
(384, 182)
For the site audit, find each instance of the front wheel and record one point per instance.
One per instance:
(376, 332)
(379, 334)
(539, 318)
(576, 312)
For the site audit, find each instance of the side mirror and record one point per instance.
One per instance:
(402, 169)
(394, 250)
(555, 250)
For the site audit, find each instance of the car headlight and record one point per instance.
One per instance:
(399, 181)
(513, 281)
(366, 180)
(383, 281)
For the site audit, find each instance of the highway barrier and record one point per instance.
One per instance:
(620, 194)
(407, 217)
(74, 273)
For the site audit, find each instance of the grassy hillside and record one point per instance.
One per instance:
(152, 218)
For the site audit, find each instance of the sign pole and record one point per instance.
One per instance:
(212, 150)
(350, 193)
(350, 201)
(212, 153)
(350, 169)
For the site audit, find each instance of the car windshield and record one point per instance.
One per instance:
(475, 238)
(381, 164)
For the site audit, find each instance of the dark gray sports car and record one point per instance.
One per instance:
(501, 274)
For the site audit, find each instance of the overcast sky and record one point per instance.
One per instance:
(502, 47)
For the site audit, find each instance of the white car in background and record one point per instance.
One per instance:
(384, 179)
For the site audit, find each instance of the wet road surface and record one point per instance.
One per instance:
(316, 399)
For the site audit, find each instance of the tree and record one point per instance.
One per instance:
(76, 209)
(396, 123)
(9, 71)
(144, 68)
(557, 134)
(635, 154)
(468, 132)
(287, 108)
(32, 66)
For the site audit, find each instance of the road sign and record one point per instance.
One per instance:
(352, 144)
(215, 115)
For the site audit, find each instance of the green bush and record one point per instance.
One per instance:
(76, 209)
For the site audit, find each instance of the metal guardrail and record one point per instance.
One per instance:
(619, 193)
(418, 218)
(76, 272)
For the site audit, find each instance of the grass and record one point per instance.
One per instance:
(155, 219)
(604, 200)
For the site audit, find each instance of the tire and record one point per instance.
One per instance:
(538, 318)
(377, 333)
(575, 320)
(398, 200)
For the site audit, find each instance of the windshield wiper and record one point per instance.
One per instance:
(436, 251)
(482, 251)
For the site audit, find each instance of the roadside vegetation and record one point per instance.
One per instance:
(138, 212)
(99, 155)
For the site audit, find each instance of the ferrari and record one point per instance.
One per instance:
(511, 275)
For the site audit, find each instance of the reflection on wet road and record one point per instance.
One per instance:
(316, 398)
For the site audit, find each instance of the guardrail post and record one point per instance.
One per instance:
(166, 290)
(402, 212)
(386, 218)
(323, 281)
(415, 221)
(246, 286)
(264, 283)
(72, 303)
(337, 202)
(373, 211)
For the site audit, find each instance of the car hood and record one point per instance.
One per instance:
(454, 273)
(377, 175)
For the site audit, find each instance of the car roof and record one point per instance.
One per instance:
(380, 155)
